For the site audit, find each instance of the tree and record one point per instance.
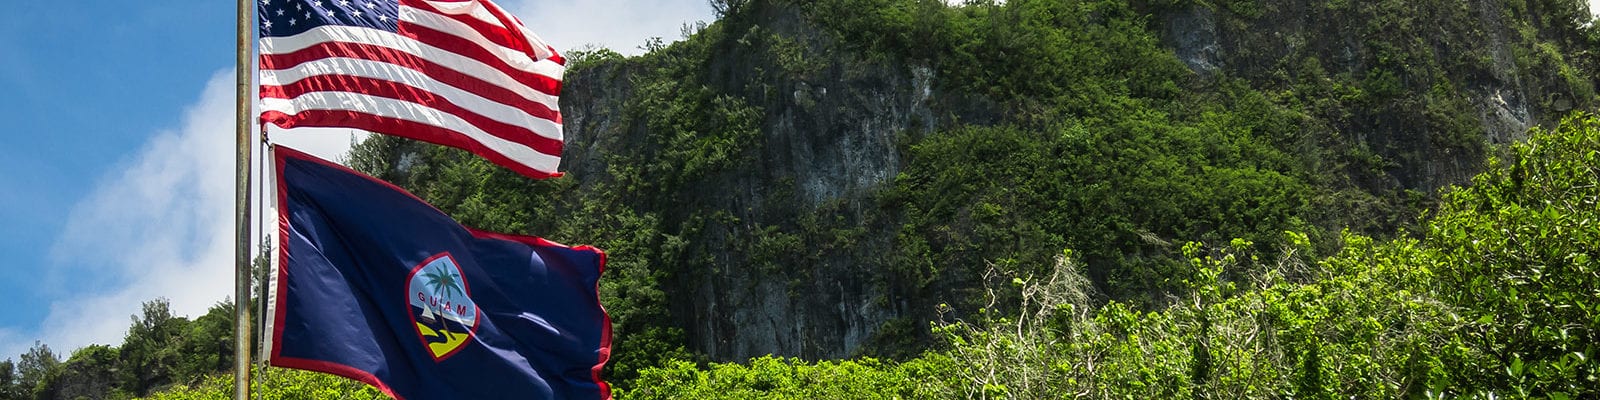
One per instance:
(89, 374)
(725, 7)
(150, 352)
(8, 381)
(36, 368)
(1520, 245)
(207, 345)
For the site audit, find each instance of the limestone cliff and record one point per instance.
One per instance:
(751, 181)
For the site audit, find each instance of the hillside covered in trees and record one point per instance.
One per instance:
(1044, 199)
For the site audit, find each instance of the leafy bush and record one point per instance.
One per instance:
(275, 384)
(1521, 246)
(1498, 301)
(781, 378)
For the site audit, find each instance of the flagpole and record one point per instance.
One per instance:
(241, 273)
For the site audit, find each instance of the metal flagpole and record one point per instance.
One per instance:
(241, 277)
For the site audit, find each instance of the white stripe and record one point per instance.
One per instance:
(274, 259)
(474, 9)
(466, 65)
(408, 111)
(406, 76)
(479, 10)
(270, 320)
(516, 59)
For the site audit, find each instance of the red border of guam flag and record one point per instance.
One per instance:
(375, 285)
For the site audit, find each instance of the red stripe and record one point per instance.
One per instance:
(554, 55)
(405, 60)
(469, 49)
(407, 93)
(497, 35)
(398, 127)
(435, 70)
(509, 36)
(514, 38)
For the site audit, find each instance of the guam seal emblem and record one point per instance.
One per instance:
(442, 309)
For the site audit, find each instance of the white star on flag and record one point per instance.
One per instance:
(464, 74)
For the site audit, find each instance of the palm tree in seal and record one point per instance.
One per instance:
(445, 285)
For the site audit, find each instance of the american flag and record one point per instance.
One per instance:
(460, 73)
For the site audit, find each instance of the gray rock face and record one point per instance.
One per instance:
(829, 141)
(831, 137)
(1193, 35)
(1464, 58)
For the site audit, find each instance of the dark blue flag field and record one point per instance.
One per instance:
(376, 285)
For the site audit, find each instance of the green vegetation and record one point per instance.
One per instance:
(160, 350)
(1498, 301)
(1055, 125)
(1247, 228)
(274, 384)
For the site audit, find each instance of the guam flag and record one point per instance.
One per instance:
(376, 285)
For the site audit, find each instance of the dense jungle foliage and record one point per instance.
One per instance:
(1085, 211)
(1499, 299)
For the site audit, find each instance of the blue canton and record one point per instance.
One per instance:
(280, 18)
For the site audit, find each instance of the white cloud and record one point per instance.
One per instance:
(329, 143)
(159, 224)
(620, 25)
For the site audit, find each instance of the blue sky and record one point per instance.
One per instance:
(116, 152)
